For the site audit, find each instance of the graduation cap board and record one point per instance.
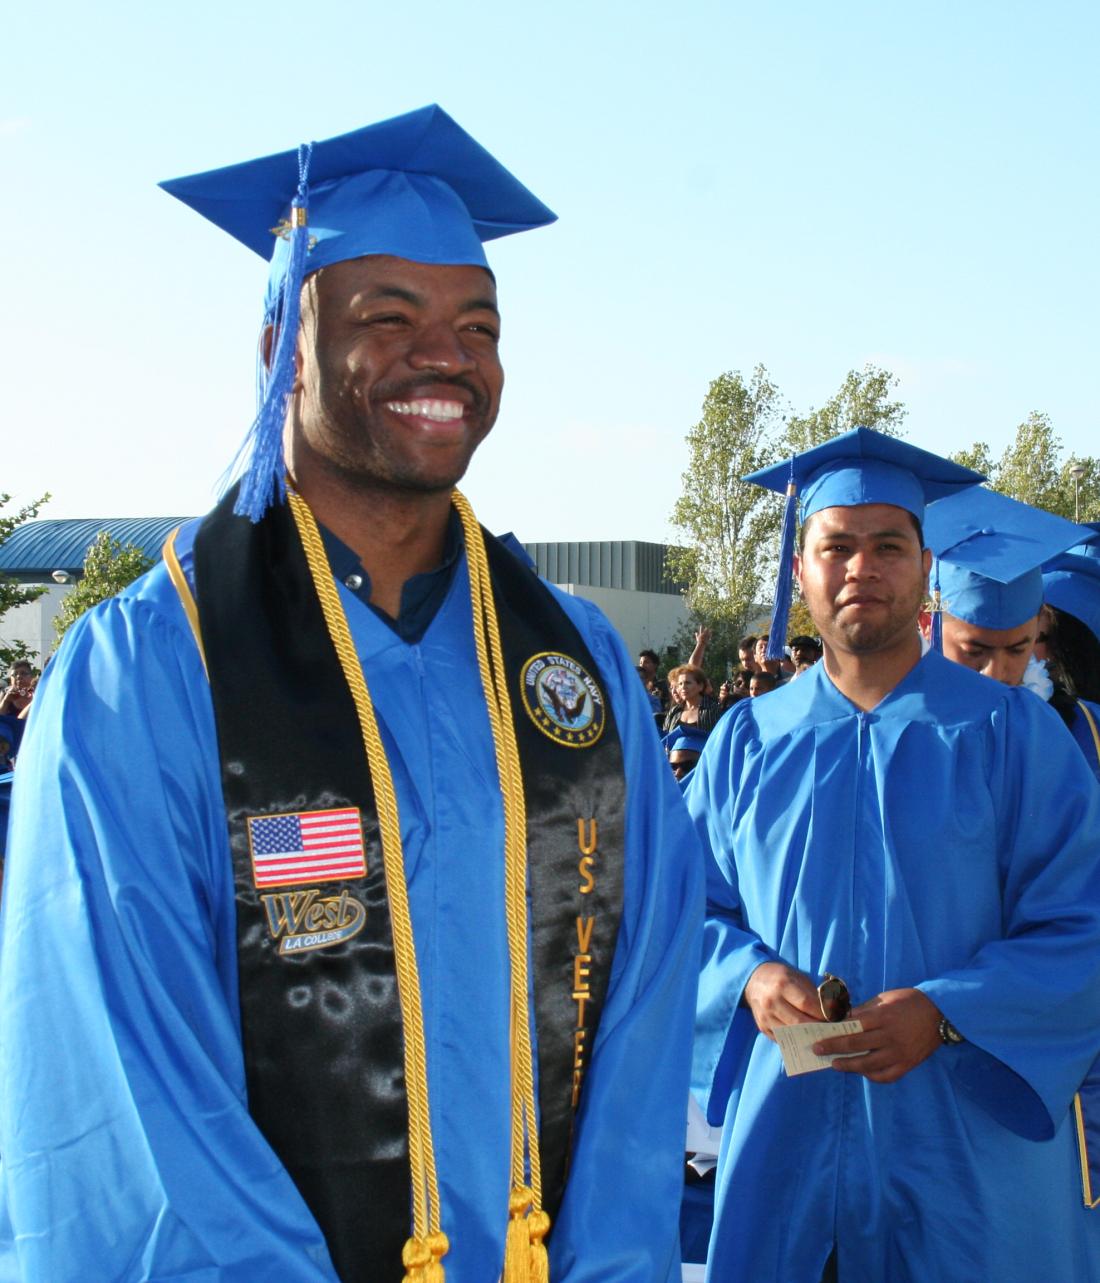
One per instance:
(989, 552)
(417, 186)
(859, 467)
(1071, 581)
(685, 739)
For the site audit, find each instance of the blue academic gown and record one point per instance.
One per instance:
(128, 1150)
(948, 840)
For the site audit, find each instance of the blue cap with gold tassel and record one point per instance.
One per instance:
(416, 187)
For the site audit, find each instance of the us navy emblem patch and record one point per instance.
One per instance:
(563, 699)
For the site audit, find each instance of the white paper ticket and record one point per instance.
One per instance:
(795, 1042)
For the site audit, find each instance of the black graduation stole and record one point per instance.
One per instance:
(321, 1023)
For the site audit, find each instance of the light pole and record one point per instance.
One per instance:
(1077, 472)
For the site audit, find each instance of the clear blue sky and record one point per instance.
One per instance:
(808, 185)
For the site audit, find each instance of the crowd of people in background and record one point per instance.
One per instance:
(15, 704)
(686, 707)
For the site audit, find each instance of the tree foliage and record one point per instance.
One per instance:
(1033, 470)
(12, 593)
(108, 567)
(730, 528)
(728, 524)
(861, 401)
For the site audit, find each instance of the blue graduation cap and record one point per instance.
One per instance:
(989, 553)
(416, 186)
(1089, 543)
(1071, 581)
(687, 739)
(859, 467)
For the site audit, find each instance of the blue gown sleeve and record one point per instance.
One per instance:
(1028, 1003)
(618, 1222)
(127, 1148)
(724, 1030)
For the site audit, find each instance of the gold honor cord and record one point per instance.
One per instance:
(423, 1252)
(1092, 727)
(525, 1257)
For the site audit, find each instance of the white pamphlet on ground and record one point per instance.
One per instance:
(795, 1042)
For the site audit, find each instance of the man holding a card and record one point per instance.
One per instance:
(883, 828)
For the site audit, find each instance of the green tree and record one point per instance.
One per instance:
(728, 526)
(1033, 470)
(1029, 469)
(978, 457)
(108, 567)
(12, 593)
(861, 401)
(801, 622)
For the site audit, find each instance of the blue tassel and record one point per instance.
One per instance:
(781, 609)
(935, 633)
(264, 481)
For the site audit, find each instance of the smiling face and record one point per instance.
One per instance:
(399, 374)
(1000, 653)
(863, 576)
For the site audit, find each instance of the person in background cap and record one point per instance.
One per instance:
(889, 819)
(987, 579)
(683, 748)
(1071, 633)
(805, 652)
(382, 1007)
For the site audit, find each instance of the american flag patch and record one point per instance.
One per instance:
(307, 846)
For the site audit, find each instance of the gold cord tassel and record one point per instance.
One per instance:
(423, 1258)
(437, 1245)
(538, 1226)
(517, 1242)
(415, 1257)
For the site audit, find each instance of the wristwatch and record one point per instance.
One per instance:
(948, 1033)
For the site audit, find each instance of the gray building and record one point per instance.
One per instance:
(627, 579)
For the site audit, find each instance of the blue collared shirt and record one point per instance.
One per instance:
(421, 596)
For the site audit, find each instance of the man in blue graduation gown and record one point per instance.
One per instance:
(890, 820)
(157, 967)
(988, 588)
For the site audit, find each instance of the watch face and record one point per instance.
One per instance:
(948, 1032)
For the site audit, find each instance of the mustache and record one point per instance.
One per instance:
(410, 389)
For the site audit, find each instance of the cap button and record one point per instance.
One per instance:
(354, 582)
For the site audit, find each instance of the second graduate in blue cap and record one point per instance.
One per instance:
(859, 467)
(987, 578)
(888, 818)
